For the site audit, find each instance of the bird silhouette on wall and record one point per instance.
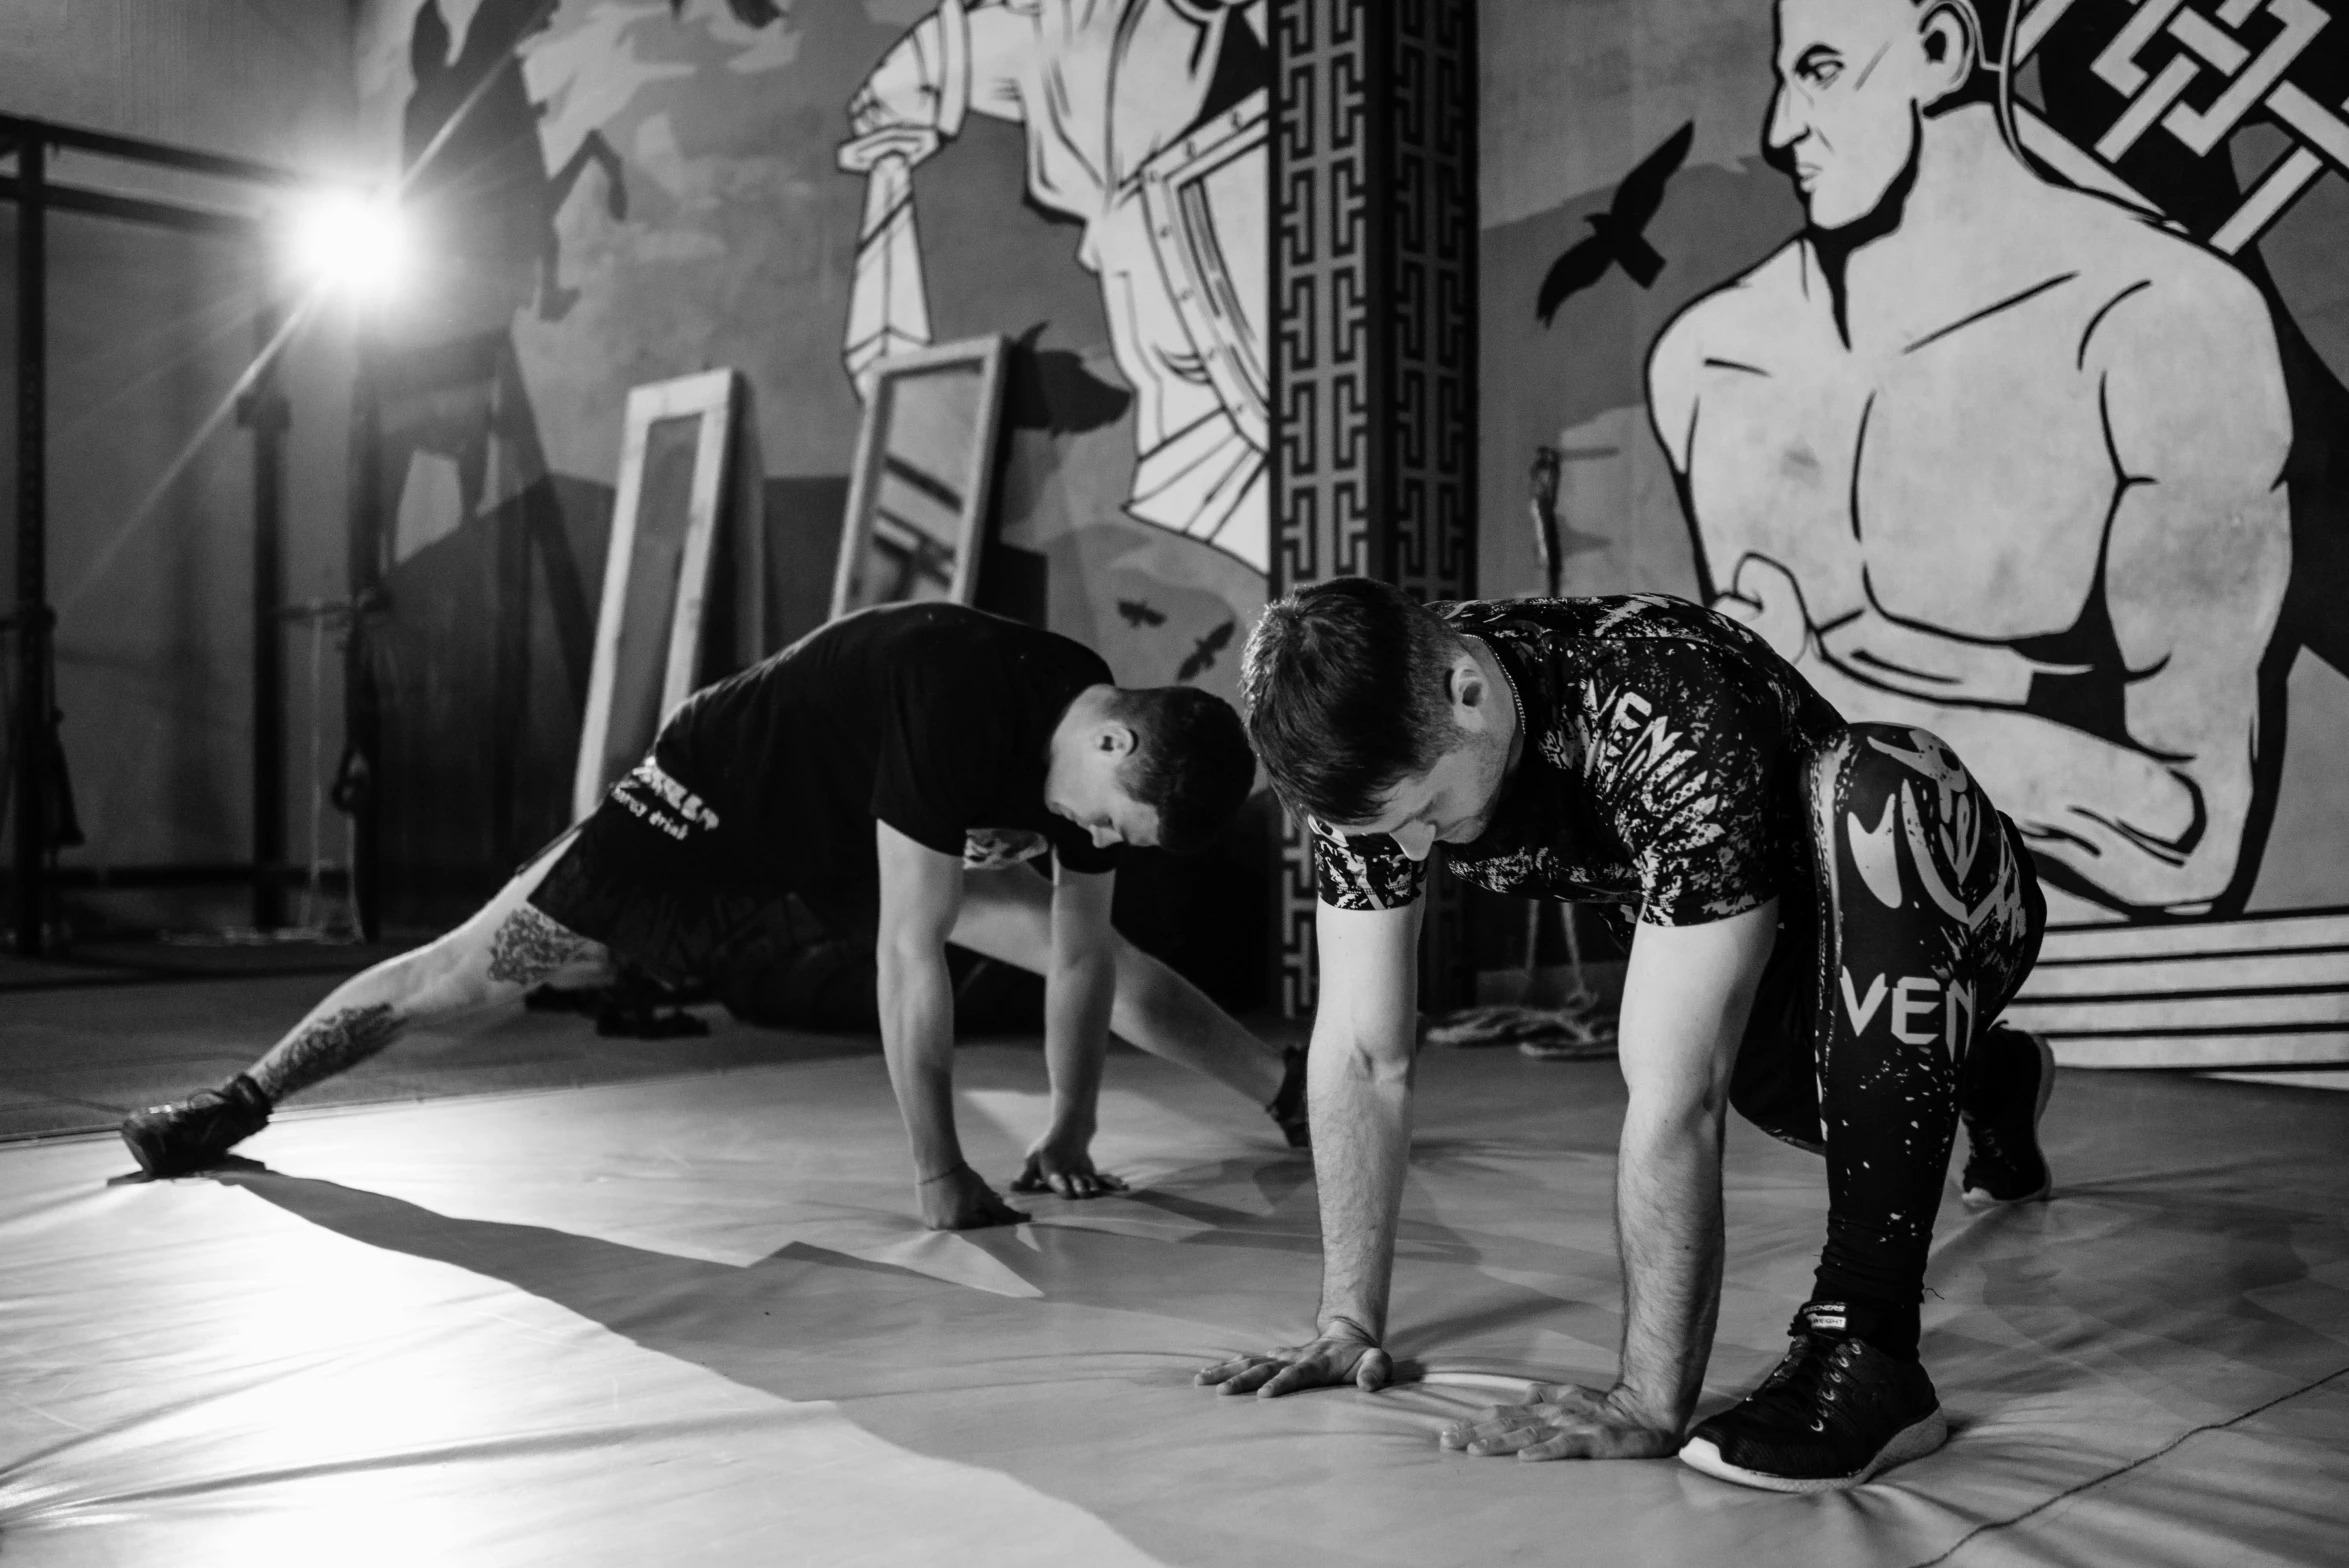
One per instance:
(1618, 235)
(1141, 612)
(1202, 656)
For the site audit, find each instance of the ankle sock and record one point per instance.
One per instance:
(1887, 1325)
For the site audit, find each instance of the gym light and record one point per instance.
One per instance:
(353, 243)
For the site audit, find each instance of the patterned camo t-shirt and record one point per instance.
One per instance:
(1659, 774)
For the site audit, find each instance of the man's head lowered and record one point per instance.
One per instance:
(1372, 715)
(1167, 766)
(1857, 81)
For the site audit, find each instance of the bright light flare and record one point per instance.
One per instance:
(356, 244)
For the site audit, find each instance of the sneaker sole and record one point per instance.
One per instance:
(1978, 1198)
(157, 1161)
(150, 1160)
(1914, 1441)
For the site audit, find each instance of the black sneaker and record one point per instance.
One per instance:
(2003, 1162)
(172, 1140)
(1288, 1107)
(1834, 1413)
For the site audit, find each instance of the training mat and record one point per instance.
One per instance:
(692, 1320)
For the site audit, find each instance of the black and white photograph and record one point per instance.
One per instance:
(1174, 783)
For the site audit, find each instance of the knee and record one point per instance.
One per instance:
(1137, 972)
(1866, 765)
(1144, 984)
(452, 973)
(1954, 834)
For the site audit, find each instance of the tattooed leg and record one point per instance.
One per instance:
(322, 1046)
(529, 947)
(460, 972)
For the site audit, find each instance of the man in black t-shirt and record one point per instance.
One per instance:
(904, 771)
(1823, 922)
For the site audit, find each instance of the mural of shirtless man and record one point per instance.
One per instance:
(1999, 458)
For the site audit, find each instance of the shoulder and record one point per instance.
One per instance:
(1656, 660)
(2135, 270)
(1741, 314)
(2183, 346)
(1489, 617)
(953, 646)
(929, 678)
(1649, 621)
(1598, 624)
(1741, 323)
(952, 627)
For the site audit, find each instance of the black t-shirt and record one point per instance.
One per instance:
(933, 718)
(1658, 775)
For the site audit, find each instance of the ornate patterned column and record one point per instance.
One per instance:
(1374, 357)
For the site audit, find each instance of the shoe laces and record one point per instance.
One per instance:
(1808, 1387)
(1988, 1145)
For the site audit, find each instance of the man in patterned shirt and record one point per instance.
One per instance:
(1823, 921)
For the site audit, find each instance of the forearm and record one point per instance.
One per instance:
(2121, 803)
(1932, 665)
(1077, 998)
(1360, 1106)
(1668, 1213)
(917, 1041)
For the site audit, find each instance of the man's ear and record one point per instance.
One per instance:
(1115, 739)
(1949, 34)
(1465, 684)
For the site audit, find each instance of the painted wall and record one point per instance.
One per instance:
(2049, 454)
(628, 190)
(150, 488)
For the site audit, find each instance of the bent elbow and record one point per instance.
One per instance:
(1694, 1120)
(1378, 1064)
(2186, 870)
(899, 957)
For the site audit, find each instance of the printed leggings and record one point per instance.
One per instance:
(1924, 917)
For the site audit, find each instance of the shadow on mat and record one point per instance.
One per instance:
(1219, 1283)
(1076, 1394)
(2172, 1281)
(829, 1325)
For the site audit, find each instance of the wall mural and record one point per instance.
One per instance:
(2019, 438)
(617, 191)
(1144, 122)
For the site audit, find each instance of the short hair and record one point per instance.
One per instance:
(1191, 762)
(1344, 688)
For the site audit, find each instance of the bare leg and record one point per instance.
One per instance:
(506, 948)
(1007, 915)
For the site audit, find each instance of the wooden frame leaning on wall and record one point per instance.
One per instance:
(684, 590)
(924, 479)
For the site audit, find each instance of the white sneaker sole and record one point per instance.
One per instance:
(1910, 1442)
(1975, 1197)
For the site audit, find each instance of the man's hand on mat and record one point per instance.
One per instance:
(1566, 1422)
(960, 1200)
(1343, 1354)
(1064, 1165)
